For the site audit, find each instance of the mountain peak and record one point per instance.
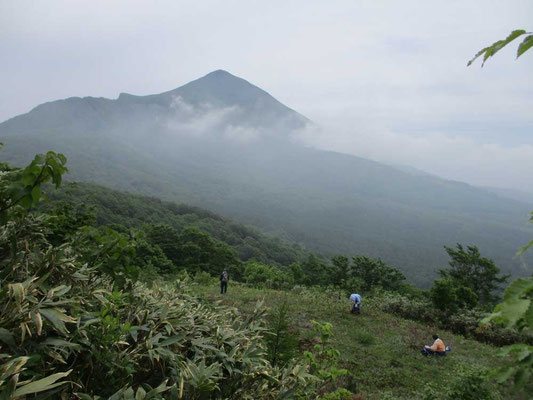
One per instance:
(219, 73)
(247, 104)
(222, 83)
(220, 88)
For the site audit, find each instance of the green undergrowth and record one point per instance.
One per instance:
(381, 351)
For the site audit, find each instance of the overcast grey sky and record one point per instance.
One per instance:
(385, 80)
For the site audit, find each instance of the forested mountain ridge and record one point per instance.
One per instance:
(222, 143)
(125, 210)
(222, 99)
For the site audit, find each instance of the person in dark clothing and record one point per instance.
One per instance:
(224, 278)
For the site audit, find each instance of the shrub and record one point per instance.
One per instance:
(262, 275)
(470, 383)
(323, 362)
(449, 296)
(415, 309)
(125, 338)
(203, 278)
(282, 343)
(464, 322)
(339, 394)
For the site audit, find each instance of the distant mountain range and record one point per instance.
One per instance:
(519, 195)
(222, 143)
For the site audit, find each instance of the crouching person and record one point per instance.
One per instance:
(355, 300)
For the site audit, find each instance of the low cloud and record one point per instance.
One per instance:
(453, 157)
(201, 121)
(213, 122)
(448, 155)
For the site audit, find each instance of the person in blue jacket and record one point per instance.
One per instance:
(356, 301)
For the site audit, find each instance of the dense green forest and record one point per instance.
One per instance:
(97, 285)
(104, 206)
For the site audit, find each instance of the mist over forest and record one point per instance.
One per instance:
(222, 143)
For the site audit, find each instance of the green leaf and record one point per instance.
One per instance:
(7, 392)
(141, 393)
(42, 384)
(30, 174)
(511, 311)
(529, 316)
(38, 159)
(480, 52)
(527, 246)
(160, 389)
(61, 343)
(12, 367)
(117, 395)
(496, 46)
(60, 290)
(174, 393)
(17, 291)
(525, 45)
(128, 394)
(26, 202)
(62, 158)
(7, 337)
(174, 339)
(519, 288)
(36, 194)
(57, 318)
(504, 374)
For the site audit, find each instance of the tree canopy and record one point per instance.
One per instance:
(469, 269)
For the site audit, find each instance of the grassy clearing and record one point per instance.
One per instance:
(381, 350)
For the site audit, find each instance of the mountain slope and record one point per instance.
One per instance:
(518, 195)
(129, 210)
(381, 350)
(220, 142)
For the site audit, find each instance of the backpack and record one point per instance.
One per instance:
(224, 276)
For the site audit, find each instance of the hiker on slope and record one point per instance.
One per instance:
(437, 348)
(224, 278)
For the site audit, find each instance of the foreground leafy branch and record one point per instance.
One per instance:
(491, 50)
(527, 246)
(22, 188)
(516, 310)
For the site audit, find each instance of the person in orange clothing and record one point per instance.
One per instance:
(437, 348)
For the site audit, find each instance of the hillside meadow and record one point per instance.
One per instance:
(381, 351)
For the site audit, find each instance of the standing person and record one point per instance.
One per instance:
(356, 303)
(437, 348)
(224, 278)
